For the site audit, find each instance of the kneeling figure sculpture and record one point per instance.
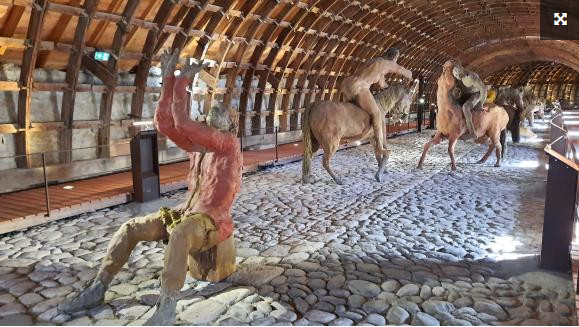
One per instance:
(199, 232)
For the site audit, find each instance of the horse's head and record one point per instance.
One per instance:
(446, 78)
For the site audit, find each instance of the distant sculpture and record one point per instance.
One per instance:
(356, 88)
(199, 232)
(327, 123)
(473, 90)
(532, 105)
(511, 98)
(489, 123)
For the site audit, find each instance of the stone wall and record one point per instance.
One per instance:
(46, 107)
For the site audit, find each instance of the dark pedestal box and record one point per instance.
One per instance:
(145, 166)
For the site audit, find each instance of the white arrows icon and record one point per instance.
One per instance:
(560, 18)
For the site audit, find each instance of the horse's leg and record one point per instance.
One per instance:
(383, 160)
(496, 141)
(377, 153)
(451, 143)
(435, 140)
(487, 154)
(328, 153)
(382, 167)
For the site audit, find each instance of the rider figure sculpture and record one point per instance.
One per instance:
(476, 93)
(356, 88)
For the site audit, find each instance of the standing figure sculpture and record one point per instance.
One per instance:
(199, 232)
(356, 88)
(473, 90)
(489, 123)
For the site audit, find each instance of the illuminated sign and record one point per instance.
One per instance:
(102, 56)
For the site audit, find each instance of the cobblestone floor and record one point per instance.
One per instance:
(423, 247)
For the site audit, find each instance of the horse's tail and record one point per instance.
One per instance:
(311, 145)
(503, 140)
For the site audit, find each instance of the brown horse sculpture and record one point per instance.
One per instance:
(326, 123)
(490, 123)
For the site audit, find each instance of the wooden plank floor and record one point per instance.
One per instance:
(27, 208)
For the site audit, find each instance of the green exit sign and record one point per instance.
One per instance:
(102, 56)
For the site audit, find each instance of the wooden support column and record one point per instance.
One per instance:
(26, 77)
(72, 72)
(112, 68)
(144, 66)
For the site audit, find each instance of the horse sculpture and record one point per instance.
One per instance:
(490, 123)
(326, 123)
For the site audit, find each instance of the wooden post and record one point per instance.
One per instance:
(111, 70)
(72, 72)
(26, 77)
(144, 66)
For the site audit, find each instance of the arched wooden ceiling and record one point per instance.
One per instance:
(534, 72)
(294, 50)
(314, 35)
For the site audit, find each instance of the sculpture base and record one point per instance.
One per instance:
(215, 264)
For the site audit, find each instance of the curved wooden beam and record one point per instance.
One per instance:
(72, 72)
(144, 66)
(26, 80)
(112, 66)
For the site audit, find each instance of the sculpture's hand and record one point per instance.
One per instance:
(169, 62)
(191, 68)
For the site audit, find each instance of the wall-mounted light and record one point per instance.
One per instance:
(68, 187)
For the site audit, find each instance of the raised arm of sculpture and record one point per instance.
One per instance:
(392, 67)
(163, 119)
(196, 132)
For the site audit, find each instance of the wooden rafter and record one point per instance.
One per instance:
(255, 58)
(317, 46)
(232, 26)
(329, 82)
(180, 16)
(26, 80)
(112, 67)
(101, 26)
(14, 15)
(145, 63)
(72, 73)
(146, 12)
(56, 34)
(11, 23)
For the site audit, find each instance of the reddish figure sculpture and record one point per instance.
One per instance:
(199, 232)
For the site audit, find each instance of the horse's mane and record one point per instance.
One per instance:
(393, 96)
